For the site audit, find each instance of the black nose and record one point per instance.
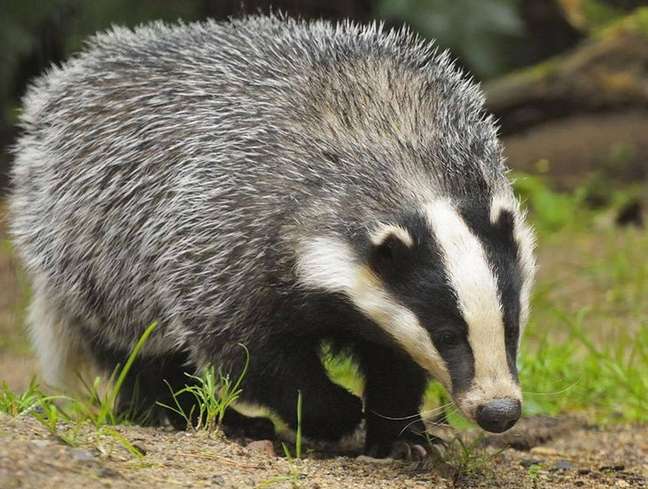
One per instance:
(498, 415)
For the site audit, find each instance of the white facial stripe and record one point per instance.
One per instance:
(525, 240)
(386, 230)
(478, 298)
(330, 264)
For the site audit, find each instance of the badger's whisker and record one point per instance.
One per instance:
(395, 418)
(554, 393)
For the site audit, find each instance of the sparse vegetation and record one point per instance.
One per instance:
(214, 392)
(468, 459)
(63, 416)
(15, 404)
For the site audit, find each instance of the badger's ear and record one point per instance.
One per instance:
(390, 247)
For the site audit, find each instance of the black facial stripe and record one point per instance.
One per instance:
(502, 254)
(420, 284)
(459, 360)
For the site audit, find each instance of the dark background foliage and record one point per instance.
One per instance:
(490, 37)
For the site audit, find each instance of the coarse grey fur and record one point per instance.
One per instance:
(172, 172)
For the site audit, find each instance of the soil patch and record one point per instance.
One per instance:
(574, 456)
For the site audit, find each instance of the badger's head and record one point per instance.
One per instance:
(449, 282)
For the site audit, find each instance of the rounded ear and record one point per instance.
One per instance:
(505, 221)
(389, 249)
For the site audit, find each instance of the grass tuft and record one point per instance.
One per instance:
(99, 410)
(214, 392)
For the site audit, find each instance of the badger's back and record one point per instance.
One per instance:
(167, 172)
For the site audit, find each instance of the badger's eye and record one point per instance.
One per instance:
(449, 339)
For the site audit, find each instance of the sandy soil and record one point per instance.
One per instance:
(557, 453)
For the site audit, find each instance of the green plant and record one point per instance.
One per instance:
(95, 408)
(122, 440)
(574, 374)
(293, 476)
(16, 404)
(214, 392)
(551, 211)
(468, 459)
(99, 405)
(298, 437)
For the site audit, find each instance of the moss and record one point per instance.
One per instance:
(635, 23)
(597, 14)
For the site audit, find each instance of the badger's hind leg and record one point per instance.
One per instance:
(63, 359)
(151, 381)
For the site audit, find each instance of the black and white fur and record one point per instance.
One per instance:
(273, 183)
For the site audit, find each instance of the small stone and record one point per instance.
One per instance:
(371, 460)
(83, 456)
(562, 465)
(528, 462)
(263, 446)
(545, 451)
(107, 473)
(140, 448)
(40, 443)
(218, 480)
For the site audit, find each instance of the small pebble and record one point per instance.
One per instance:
(218, 480)
(140, 448)
(371, 460)
(81, 455)
(107, 473)
(562, 465)
(263, 446)
(40, 443)
(528, 462)
(549, 452)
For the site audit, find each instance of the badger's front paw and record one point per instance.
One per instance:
(411, 443)
(398, 450)
(332, 420)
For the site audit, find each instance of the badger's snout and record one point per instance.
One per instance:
(498, 415)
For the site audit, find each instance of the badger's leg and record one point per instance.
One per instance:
(237, 425)
(394, 387)
(276, 374)
(150, 381)
(57, 342)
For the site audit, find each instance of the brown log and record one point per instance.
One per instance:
(608, 72)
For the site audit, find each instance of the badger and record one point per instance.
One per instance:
(277, 184)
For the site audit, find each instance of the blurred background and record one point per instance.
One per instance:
(568, 81)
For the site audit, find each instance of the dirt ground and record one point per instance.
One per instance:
(552, 453)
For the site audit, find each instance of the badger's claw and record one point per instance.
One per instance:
(399, 450)
(405, 450)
